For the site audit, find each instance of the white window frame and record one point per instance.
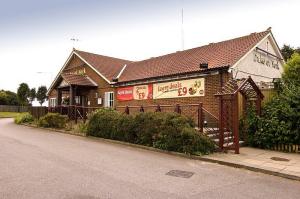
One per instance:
(52, 102)
(109, 99)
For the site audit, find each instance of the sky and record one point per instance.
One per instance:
(35, 35)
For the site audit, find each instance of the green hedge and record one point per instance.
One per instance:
(167, 131)
(52, 120)
(23, 118)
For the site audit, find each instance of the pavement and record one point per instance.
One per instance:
(267, 161)
(37, 163)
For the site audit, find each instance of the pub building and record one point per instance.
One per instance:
(184, 77)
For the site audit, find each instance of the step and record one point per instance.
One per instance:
(226, 139)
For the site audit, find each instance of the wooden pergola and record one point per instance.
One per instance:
(229, 111)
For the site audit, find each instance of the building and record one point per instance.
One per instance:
(184, 77)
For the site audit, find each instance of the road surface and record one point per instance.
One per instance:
(37, 163)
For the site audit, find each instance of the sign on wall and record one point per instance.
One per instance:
(177, 89)
(140, 92)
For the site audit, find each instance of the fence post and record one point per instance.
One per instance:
(84, 112)
(75, 109)
(177, 109)
(200, 117)
(142, 109)
(127, 110)
(236, 124)
(221, 128)
(158, 109)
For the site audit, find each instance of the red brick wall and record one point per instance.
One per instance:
(210, 102)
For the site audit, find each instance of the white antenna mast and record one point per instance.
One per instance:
(74, 40)
(182, 30)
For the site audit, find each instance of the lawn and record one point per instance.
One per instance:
(8, 114)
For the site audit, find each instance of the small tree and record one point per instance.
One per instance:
(23, 93)
(32, 95)
(41, 94)
(3, 98)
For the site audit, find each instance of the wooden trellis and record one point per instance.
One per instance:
(228, 110)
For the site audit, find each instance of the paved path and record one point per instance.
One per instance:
(279, 162)
(42, 164)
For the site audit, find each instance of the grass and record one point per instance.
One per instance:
(8, 114)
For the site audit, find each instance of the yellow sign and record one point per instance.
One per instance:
(177, 89)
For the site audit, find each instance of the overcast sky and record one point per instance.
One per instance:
(35, 35)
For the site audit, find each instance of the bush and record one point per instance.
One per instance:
(125, 129)
(177, 133)
(280, 120)
(52, 120)
(167, 131)
(147, 127)
(24, 118)
(103, 123)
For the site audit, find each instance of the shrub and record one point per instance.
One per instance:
(52, 120)
(167, 131)
(24, 118)
(177, 133)
(147, 126)
(125, 129)
(103, 123)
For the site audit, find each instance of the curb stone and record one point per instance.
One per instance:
(194, 157)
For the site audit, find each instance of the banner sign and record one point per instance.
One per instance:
(177, 89)
(125, 93)
(140, 92)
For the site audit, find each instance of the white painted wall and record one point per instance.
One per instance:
(260, 72)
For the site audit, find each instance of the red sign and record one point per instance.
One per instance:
(140, 92)
(124, 94)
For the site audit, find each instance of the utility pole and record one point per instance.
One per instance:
(182, 30)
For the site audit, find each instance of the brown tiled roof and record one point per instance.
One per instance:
(80, 80)
(109, 67)
(217, 55)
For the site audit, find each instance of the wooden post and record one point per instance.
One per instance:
(75, 114)
(177, 109)
(127, 110)
(258, 105)
(236, 124)
(158, 109)
(142, 109)
(59, 97)
(200, 117)
(221, 128)
(71, 95)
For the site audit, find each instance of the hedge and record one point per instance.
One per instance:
(167, 131)
(23, 118)
(52, 120)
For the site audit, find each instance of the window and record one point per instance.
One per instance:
(77, 100)
(109, 99)
(52, 102)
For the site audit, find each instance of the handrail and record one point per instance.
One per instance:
(210, 114)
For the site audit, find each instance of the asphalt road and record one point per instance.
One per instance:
(42, 164)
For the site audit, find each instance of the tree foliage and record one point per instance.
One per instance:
(8, 98)
(280, 121)
(32, 95)
(23, 93)
(287, 51)
(41, 94)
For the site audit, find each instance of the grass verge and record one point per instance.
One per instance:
(8, 114)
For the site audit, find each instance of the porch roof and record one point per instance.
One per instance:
(78, 80)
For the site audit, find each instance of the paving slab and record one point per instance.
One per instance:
(280, 163)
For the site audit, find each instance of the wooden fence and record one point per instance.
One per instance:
(18, 109)
(38, 111)
(292, 148)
